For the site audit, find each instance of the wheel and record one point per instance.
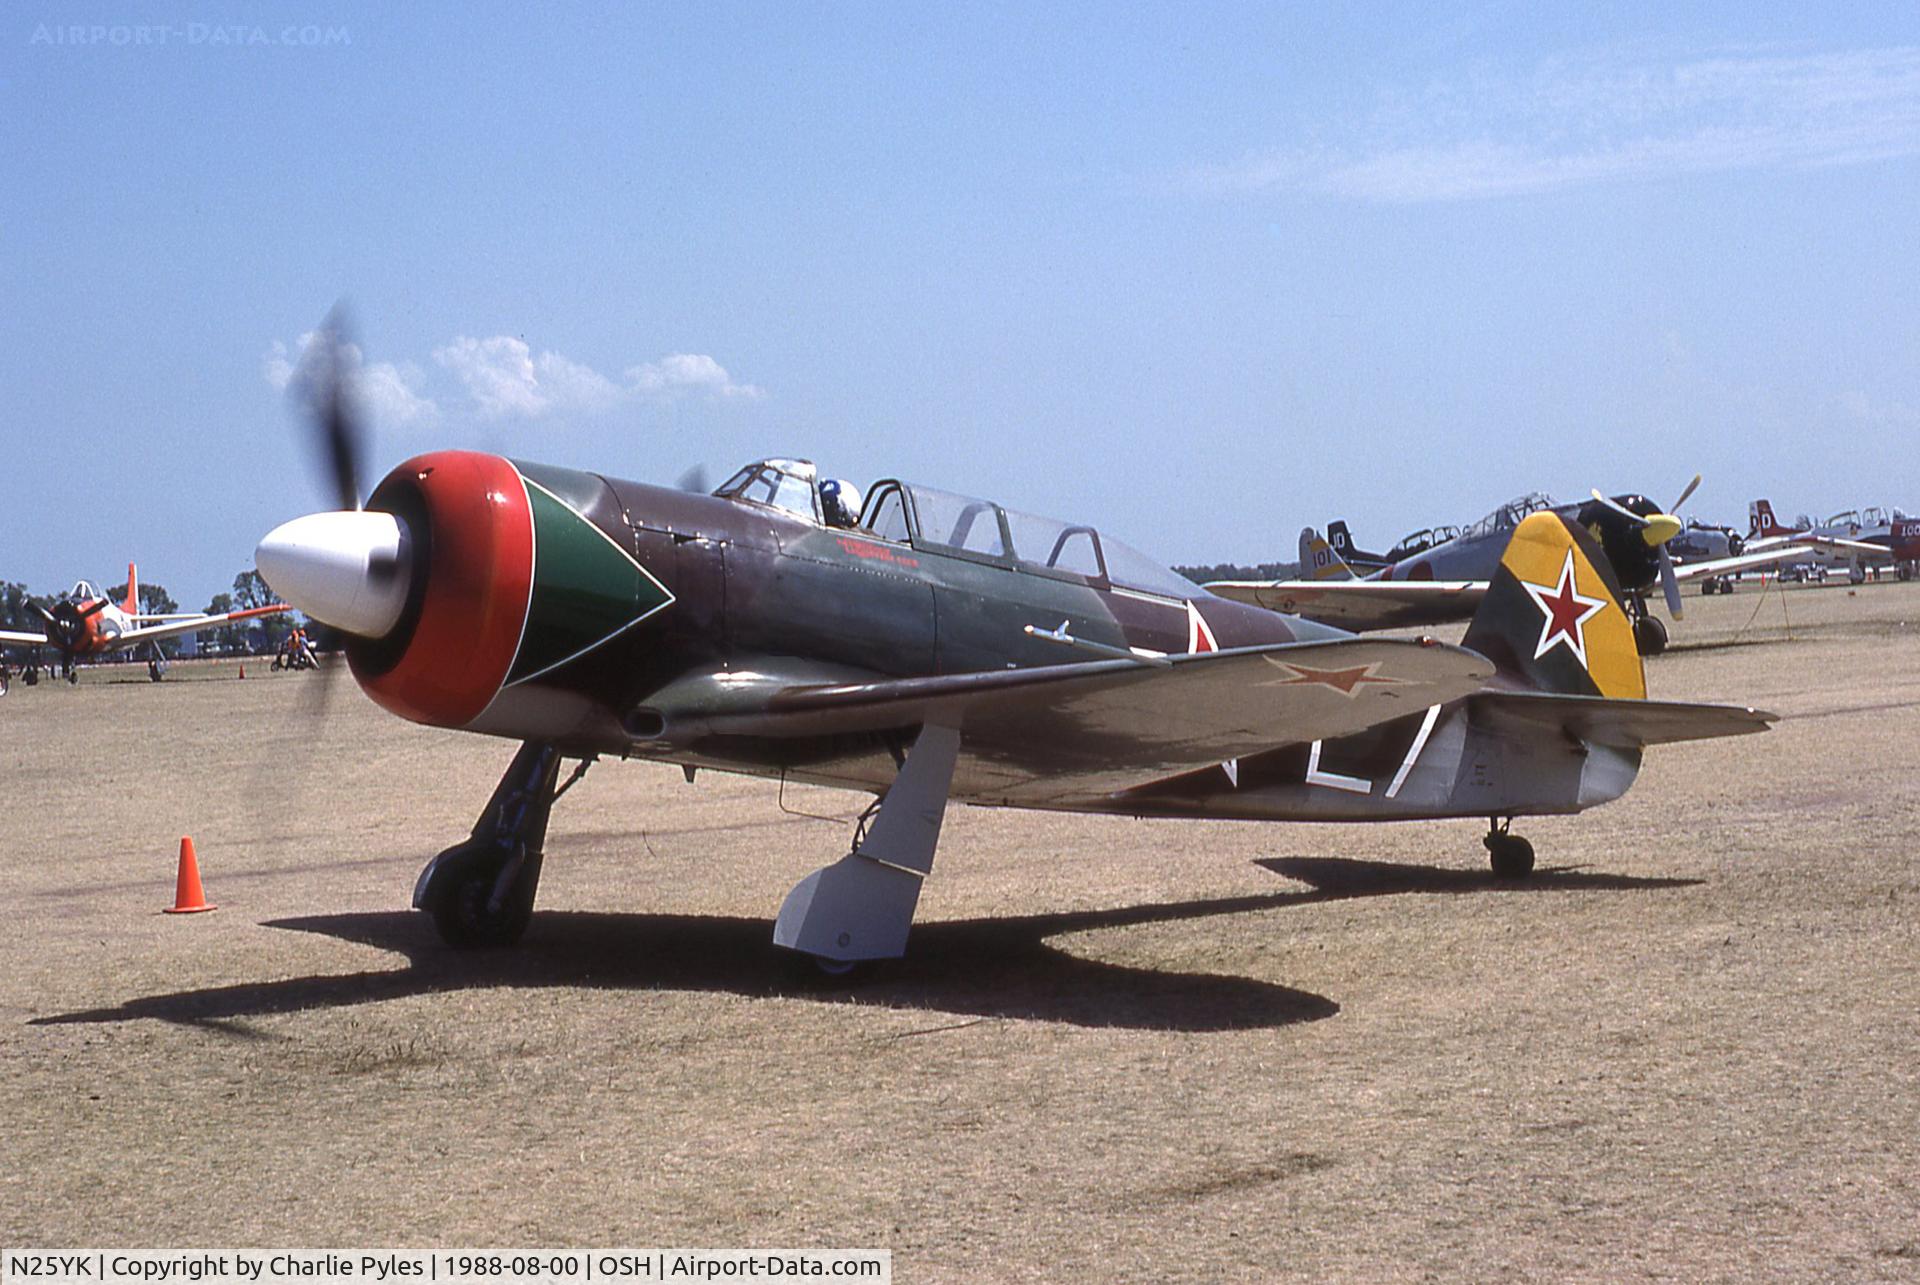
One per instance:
(817, 972)
(462, 887)
(1706, 587)
(73, 678)
(1510, 855)
(1649, 636)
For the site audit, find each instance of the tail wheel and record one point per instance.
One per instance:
(1510, 855)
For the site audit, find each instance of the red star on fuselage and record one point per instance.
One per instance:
(1565, 610)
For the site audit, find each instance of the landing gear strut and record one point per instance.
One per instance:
(480, 893)
(861, 907)
(1511, 855)
(156, 662)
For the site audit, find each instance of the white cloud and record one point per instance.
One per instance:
(389, 393)
(503, 378)
(498, 374)
(1571, 124)
(680, 371)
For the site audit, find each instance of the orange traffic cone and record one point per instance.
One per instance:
(243, 671)
(187, 897)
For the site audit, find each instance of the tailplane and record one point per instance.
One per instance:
(1553, 618)
(1320, 560)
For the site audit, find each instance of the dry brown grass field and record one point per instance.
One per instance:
(1118, 1049)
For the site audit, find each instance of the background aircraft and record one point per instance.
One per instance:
(941, 647)
(86, 624)
(1447, 581)
(1862, 541)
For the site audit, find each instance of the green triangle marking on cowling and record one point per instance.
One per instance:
(586, 588)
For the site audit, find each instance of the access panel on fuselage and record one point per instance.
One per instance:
(983, 608)
(833, 595)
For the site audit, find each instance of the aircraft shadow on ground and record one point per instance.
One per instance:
(1002, 968)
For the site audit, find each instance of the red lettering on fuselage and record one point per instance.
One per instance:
(876, 552)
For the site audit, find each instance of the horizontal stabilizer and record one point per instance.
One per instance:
(1624, 724)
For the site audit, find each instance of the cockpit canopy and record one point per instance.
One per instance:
(1510, 514)
(781, 484)
(83, 591)
(932, 520)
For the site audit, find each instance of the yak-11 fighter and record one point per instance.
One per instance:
(85, 623)
(1446, 580)
(933, 647)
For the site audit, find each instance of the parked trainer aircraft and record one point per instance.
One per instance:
(1447, 581)
(1862, 541)
(85, 623)
(933, 647)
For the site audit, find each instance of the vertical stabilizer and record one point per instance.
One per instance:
(1320, 560)
(1553, 618)
(132, 604)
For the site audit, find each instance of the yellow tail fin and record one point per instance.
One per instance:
(1553, 615)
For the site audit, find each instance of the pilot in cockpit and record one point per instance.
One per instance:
(840, 503)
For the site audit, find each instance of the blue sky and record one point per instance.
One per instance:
(1200, 276)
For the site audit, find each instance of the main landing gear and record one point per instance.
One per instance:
(1649, 632)
(1510, 855)
(860, 908)
(480, 893)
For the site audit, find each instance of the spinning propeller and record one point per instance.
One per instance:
(347, 568)
(1656, 529)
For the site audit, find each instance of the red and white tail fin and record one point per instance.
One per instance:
(132, 604)
(1760, 520)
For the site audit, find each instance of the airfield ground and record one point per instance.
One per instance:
(1119, 1049)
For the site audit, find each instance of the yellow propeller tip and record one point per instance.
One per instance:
(1660, 528)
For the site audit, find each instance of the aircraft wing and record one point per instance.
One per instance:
(1100, 726)
(1361, 605)
(193, 625)
(1806, 542)
(22, 640)
(1745, 562)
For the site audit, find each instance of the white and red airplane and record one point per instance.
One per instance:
(1860, 541)
(86, 623)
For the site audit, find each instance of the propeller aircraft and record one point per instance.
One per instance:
(86, 623)
(1446, 579)
(1862, 541)
(935, 647)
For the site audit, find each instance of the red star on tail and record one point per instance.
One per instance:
(1565, 609)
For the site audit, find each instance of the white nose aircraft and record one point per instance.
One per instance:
(86, 623)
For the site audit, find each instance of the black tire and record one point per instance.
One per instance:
(818, 973)
(1510, 856)
(1649, 636)
(461, 889)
